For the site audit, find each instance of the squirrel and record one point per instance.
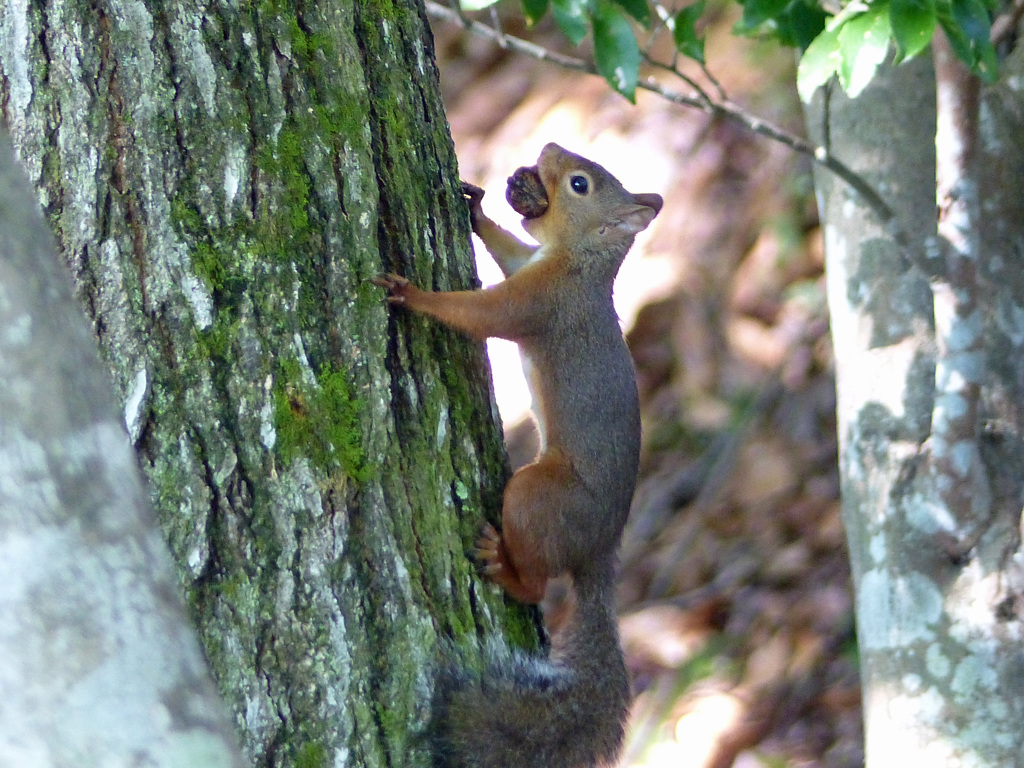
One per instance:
(564, 513)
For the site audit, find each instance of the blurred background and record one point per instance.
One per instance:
(735, 598)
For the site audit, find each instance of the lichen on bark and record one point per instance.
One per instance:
(940, 593)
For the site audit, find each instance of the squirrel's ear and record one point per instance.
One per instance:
(635, 218)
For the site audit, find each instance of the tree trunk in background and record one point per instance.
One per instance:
(222, 181)
(939, 592)
(87, 590)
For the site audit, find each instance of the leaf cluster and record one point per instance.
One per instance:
(860, 37)
(849, 43)
(613, 25)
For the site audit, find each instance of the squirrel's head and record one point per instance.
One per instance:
(583, 202)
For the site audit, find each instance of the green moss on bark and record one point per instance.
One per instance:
(312, 755)
(320, 422)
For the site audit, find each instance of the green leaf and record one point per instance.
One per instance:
(863, 45)
(684, 31)
(757, 12)
(571, 17)
(616, 52)
(534, 10)
(849, 11)
(957, 39)
(972, 17)
(988, 63)
(476, 5)
(799, 24)
(819, 62)
(913, 23)
(638, 9)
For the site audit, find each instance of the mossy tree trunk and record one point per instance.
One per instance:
(94, 633)
(930, 374)
(222, 180)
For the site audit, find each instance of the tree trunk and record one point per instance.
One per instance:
(87, 589)
(930, 373)
(223, 180)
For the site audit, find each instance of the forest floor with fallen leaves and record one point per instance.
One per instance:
(735, 595)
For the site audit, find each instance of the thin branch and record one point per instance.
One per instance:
(525, 47)
(496, 22)
(708, 102)
(664, 22)
(457, 7)
(665, 17)
(661, 10)
(1005, 24)
(819, 154)
(656, 29)
(722, 108)
(713, 80)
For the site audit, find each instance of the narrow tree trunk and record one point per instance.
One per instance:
(223, 180)
(935, 544)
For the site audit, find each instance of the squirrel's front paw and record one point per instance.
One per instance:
(399, 289)
(473, 193)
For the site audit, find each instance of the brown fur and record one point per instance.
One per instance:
(564, 513)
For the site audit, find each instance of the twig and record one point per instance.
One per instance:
(713, 80)
(457, 7)
(673, 69)
(525, 47)
(721, 108)
(664, 19)
(652, 38)
(819, 154)
(662, 11)
(496, 22)
(1005, 24)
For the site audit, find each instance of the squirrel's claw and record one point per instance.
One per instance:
(389, 281)
(488, 550)
(396, 286)
(473, 193)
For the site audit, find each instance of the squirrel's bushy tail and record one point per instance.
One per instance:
(565, 711)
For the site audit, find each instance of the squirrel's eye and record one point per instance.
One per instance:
(579, 184)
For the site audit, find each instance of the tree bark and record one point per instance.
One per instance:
(223, 180)
(87, 589)
(931, 454)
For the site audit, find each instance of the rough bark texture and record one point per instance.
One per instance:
(939, 592)
(94, 633)
(222, 180)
